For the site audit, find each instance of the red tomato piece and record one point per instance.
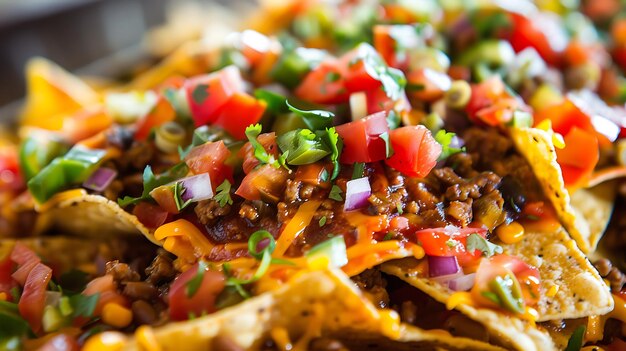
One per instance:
(240, 111)
(150, 215)
(415, 150)
(263, 183)
(499, 265)
(312, 174)
(544, 34)
(33, 299)
(208, 93)
(435, 242)
(324, 84)
(427, 85)
(579, 157)
(26, 260)
(377, 101)
(161, 113)
(357, 78)
(361, 139)
(386, 46)
(10, 175)
(182, 305)
(268, 141)
(208, 158)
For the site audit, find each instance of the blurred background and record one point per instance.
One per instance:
(106, 38)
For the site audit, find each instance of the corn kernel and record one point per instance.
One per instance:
(510, 233)
(116, 315)
(3, 296)
(552, 291)
(146, 339)
(106, 341)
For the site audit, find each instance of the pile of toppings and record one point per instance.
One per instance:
(343, 144)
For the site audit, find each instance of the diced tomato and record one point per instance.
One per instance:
(208, 93)
(268, 141)
(544, 34)
(579, 157)
(386, 46)
(415, 151)
(499, 265)
(164, 196)
(427, 85)
(161, 113)
(361, 139)
(324, 84)
(33, 299)
(313, 174)
(209, 158)
(150, 215)
(26, 260)
(240, 111)
(182, 304)
(264, 183)
(357, 78)
(60, 342)
(377, 101)
(10, 175)
(6, 281)
(107, 289)
(436, 242)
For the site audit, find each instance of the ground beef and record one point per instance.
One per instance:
(614, 275)
(209, 210)
(460, 212)
(161, 269)
(372, 282)
(121, 272)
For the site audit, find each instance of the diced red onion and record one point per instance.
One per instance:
(357, 192)
(462, 283)
(442, 265)
(197, 188)
(445, 279)
(100, 179)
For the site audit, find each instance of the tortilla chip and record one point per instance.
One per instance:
(94, 216)
(319, 303)
(595, 206)
(537, 147)
(510, 332)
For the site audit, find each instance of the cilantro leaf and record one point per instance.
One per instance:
(445, 139)
(388, 146)
(84, 305)
(179, 190)
(314, 119)
(335, 193)
(200, 93)
(223, 194)
(358, 171)
(332, 140)
(392, 79)
(252, 132)
(193, 285)
(477, 242)
(575, 341)
(151, 181)
(275, 102)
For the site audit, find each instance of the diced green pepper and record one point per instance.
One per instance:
(493, 53)
(509, 293)
(294, 65)
(72, 168)
(37, 151)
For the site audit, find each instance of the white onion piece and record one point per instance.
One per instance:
(357, 192)
(358, 105)
(197, 188)
(462, 283)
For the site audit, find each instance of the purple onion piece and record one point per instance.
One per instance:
(197, 188)
(440, 265)
(463, 283)
(100, 179)
(357, 193)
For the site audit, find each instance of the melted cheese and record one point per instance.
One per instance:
(459, 298)
(595, 324)
(296, 226)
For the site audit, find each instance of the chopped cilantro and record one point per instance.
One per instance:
(314, 119)
(252, 132)
(322, 221)
(200, 93)
(358, 171)
(194, 283)
(332, 77)
(445, 139)
(324, 175)
(84, 305)
(150, 181)
(477, 242)
(392, 80)
(223, 194)
(332, 140)
(335, 193)
(179, 190)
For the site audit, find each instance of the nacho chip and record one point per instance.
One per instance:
(595, 206)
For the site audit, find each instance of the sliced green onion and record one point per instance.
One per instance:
(334, 250)
(169, 137)
(255, 240)
(458, 95)
(509, 293)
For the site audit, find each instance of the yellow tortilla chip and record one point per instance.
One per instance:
(595, 206)
(51, 93)
(537, 147)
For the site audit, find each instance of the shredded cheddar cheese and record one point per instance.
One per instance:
(296, 226)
